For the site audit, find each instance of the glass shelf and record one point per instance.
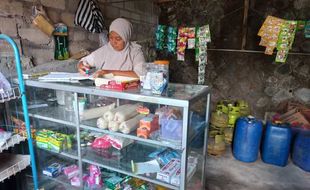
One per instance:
(10, 164)
(56, 114)
(176, 95)
(54, 183)
(120, 161)
(59, 182)
(15, 139)
(9, 94)
(59, 115)
(91, 125)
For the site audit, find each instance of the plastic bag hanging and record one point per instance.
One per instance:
(89, 16)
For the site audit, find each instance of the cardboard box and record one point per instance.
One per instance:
(168, 170)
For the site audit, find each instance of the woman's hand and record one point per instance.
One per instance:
(83, 68)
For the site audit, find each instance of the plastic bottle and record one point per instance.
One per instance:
(159, 76)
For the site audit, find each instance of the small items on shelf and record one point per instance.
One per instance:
(13, 140)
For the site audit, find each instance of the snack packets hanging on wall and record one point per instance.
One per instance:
(171, 37)
(307, 29)
(202, 38)
(269, 33)
(285, 40)
(182, 42)
(160, 37)
(191, 38)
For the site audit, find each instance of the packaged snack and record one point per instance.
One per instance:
(71, 171)
(102, 142)
(119, 142)
(307, 29)
(150, 122)
(202, 37)
(168, 171)
(160, 37)
(167, 155)
(181, 44)
(171, 39)
(113, 182)
(75, 181)
(52, 170)
(147, 125)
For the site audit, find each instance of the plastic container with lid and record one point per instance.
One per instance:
(159, 76)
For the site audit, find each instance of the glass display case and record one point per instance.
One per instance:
(90, 138)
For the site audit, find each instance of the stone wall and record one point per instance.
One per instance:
(255, 77)
(38, 48)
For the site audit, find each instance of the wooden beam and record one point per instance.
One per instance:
(245, 23)
(164, 1)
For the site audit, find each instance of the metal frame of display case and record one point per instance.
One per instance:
(19, 162)
(138, 96)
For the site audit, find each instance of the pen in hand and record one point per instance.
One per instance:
(84, 68)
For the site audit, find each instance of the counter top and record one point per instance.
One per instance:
(175, 95)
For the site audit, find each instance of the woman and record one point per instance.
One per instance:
(119, 56)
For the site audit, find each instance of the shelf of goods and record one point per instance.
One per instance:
(13, 140)
(56, 112)
(11, 163)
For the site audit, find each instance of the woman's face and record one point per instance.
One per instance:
(116, 41)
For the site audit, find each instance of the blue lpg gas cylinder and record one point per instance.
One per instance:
(247, 139)
(301, 151)
(276, 144)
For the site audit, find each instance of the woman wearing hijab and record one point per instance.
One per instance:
(119, 56)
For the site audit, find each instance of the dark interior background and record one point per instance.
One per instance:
(249, 75)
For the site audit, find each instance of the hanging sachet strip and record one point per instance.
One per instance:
(269, 33)
(191, 38)
(171, 39)
(182, 41)
(307, 29)
(285, 40)
(203, 36)
(160, 37)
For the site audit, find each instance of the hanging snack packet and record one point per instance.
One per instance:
(286, 39)
(191, 38)
(282, 55)
(269, 33)
(307, 29)
(301, 25)
(182, 41)
(203, 37)
(160, 37)
(171, 37)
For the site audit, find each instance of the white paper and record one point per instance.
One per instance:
(64, 77)
(146, 167)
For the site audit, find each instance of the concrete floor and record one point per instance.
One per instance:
(227, 173)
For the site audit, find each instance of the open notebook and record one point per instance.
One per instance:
(64, 77)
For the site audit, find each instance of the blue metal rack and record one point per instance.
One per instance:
(25, 107)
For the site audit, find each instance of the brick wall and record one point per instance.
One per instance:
(16, 21)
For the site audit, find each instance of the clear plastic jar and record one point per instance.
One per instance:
(159, 76)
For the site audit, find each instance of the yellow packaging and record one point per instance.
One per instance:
(43, 25)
